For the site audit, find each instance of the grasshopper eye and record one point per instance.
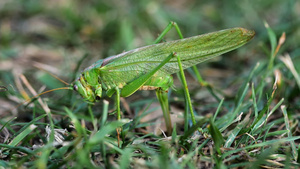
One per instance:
(75, 87)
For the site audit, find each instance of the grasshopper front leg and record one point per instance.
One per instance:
(162, 97)
(117, 102)
(118, 109)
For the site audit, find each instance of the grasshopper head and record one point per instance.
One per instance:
(88, 86)
(84, 90)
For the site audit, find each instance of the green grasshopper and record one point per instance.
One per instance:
(151, 67)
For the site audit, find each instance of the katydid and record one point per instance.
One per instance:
(151, 67)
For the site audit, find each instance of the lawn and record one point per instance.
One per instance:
(246, 102)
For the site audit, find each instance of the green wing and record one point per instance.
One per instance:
(127, 66)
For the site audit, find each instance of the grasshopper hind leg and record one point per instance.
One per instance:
(181, 76)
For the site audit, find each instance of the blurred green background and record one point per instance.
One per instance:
(65, 36)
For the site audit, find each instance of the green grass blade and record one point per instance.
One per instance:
(218, 109)
(254, 102)
(236, 131)
(298, 159)
(107, 129)
(192, 153)
(216, 136)
(260, 121)
(272, 37)
(252, 73)
(42, 161)
(287, 125)
(75, 122)
(194, 128)
(104, 112)
(8, 122)
(22, 135)
(266, 143)
(125, 158)
(239, 104)
(103, 122)
(17, 148)
(290, 65)
(262, 158)
(233, 115)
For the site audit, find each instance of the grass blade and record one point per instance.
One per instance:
(289, 64)
(272, 37)
(22, 135)
(125, 158)
(236, 131)
(287, 125)
(216, 136)
(107, 129)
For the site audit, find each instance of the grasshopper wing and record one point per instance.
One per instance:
(127, 66)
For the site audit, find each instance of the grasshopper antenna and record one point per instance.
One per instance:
(48, 91)
(40, 66)
(56, 77)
